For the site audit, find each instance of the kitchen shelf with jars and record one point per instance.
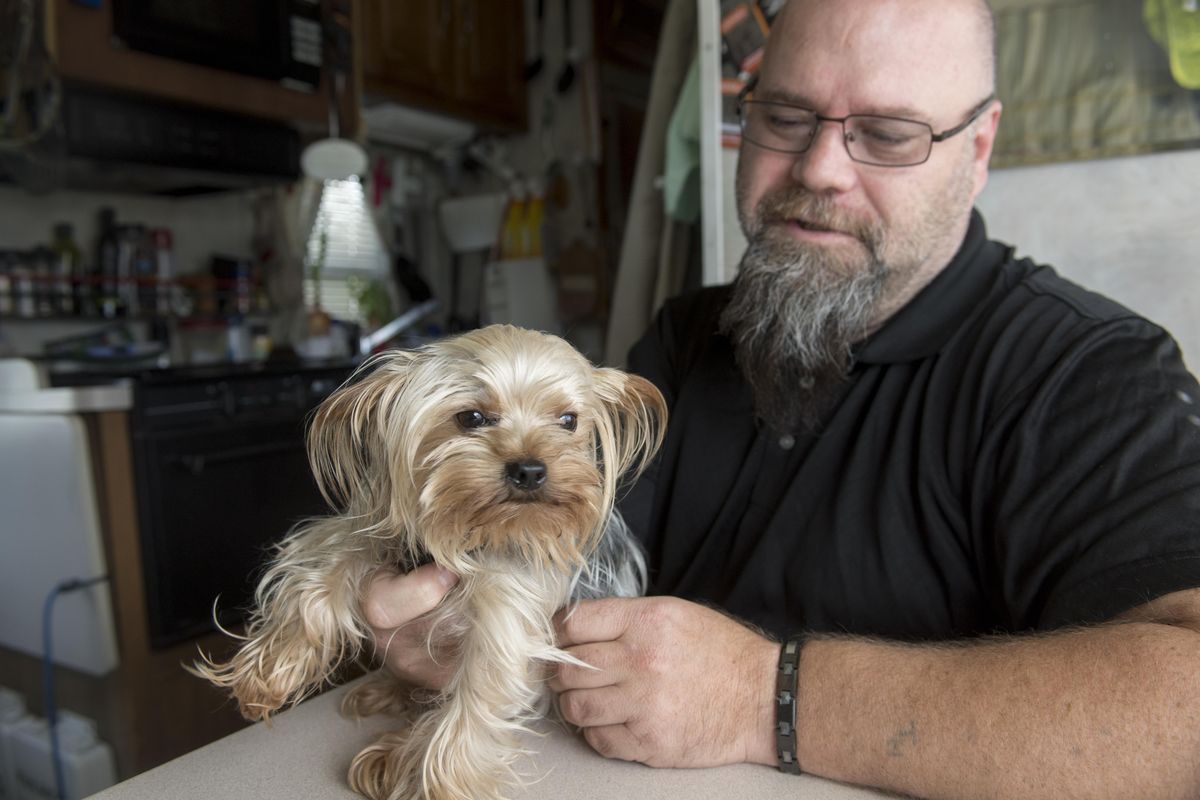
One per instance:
(131, 275)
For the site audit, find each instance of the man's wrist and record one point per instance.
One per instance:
(786, 691)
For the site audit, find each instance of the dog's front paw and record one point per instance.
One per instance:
(266, 674)
(412, 765)
(380, 692)
(389, 769)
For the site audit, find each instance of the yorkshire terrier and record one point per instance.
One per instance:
(496, 454)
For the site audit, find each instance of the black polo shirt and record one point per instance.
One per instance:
(1011, 452)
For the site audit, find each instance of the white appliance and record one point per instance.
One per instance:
(50, 529)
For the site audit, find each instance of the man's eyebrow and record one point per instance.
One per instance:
(794, 99)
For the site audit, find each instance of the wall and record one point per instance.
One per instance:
(204, 225)
(1126, 227)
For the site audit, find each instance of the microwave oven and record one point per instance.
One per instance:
(274, 39)
(262, 58)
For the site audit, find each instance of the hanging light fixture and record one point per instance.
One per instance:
(334, 158)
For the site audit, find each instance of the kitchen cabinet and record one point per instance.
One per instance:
(86, 50)
(464, 58)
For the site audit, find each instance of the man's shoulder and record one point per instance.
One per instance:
(1035, 300)
(685, 333)
(1044, 283)
(698, 309)
(1037, 327)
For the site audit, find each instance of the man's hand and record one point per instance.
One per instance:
(676, 684)
(391, 606)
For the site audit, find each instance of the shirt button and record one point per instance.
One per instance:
(787, 441)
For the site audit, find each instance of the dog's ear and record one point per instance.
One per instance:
(631, 429)
(346, 434)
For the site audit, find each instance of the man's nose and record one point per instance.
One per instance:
(826, 165)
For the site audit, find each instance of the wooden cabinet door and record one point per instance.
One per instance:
(465, 58)
(408, 45)
(490, 59)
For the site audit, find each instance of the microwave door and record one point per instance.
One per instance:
(249, 38)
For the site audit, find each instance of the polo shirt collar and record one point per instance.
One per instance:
(921, 327)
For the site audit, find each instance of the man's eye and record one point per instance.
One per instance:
(568, 421)
(887, 136)
(471, 419)
(790, 124)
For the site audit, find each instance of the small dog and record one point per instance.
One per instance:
(496, 454)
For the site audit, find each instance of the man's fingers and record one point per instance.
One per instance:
(602, 668)
(393, 600)
(594, 621)
(614, 741)
(592, 708)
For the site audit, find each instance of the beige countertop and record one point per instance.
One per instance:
(305, 752)
(24, 389)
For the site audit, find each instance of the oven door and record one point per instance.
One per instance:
(251, 38)
(211, 504)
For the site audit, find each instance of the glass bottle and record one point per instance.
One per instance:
(107, 258)
(72, 289)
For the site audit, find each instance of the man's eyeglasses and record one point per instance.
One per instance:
(869, 138)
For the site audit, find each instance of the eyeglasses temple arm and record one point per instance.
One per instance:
(979, 109)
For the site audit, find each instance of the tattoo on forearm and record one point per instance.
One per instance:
(905, 738)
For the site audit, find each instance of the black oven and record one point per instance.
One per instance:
(221, 474)
(277, 39)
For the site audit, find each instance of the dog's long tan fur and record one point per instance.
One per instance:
(412, 483)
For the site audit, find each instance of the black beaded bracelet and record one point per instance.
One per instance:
(785, 704)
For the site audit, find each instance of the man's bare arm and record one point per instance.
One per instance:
(1106, 711)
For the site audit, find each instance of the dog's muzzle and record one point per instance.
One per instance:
(525, 475)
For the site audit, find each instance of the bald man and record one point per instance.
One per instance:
(965, 491)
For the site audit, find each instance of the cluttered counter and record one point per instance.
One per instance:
(304, 753)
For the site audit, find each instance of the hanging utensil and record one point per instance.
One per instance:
(566, 78)
(534, 68)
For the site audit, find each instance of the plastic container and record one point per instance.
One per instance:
(515, 242)
(472, 223)
(88, 763)
(12, 717)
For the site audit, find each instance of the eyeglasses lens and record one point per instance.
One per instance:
(871, 140)
(882, 140)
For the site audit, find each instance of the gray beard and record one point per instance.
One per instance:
(794, 317)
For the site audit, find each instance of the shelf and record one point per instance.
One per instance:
(192, 320)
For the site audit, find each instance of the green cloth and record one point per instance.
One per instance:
(681, 174)
(1084, 79)
(1175, 24)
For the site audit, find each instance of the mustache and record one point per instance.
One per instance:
(815, 211)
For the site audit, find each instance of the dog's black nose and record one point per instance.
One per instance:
(526, 475)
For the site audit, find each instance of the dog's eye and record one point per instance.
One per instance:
(471, 419)
(568, 421)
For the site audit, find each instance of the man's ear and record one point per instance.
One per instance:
(983, 140)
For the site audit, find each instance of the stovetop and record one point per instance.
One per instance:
(93, 374)
(217, 395)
